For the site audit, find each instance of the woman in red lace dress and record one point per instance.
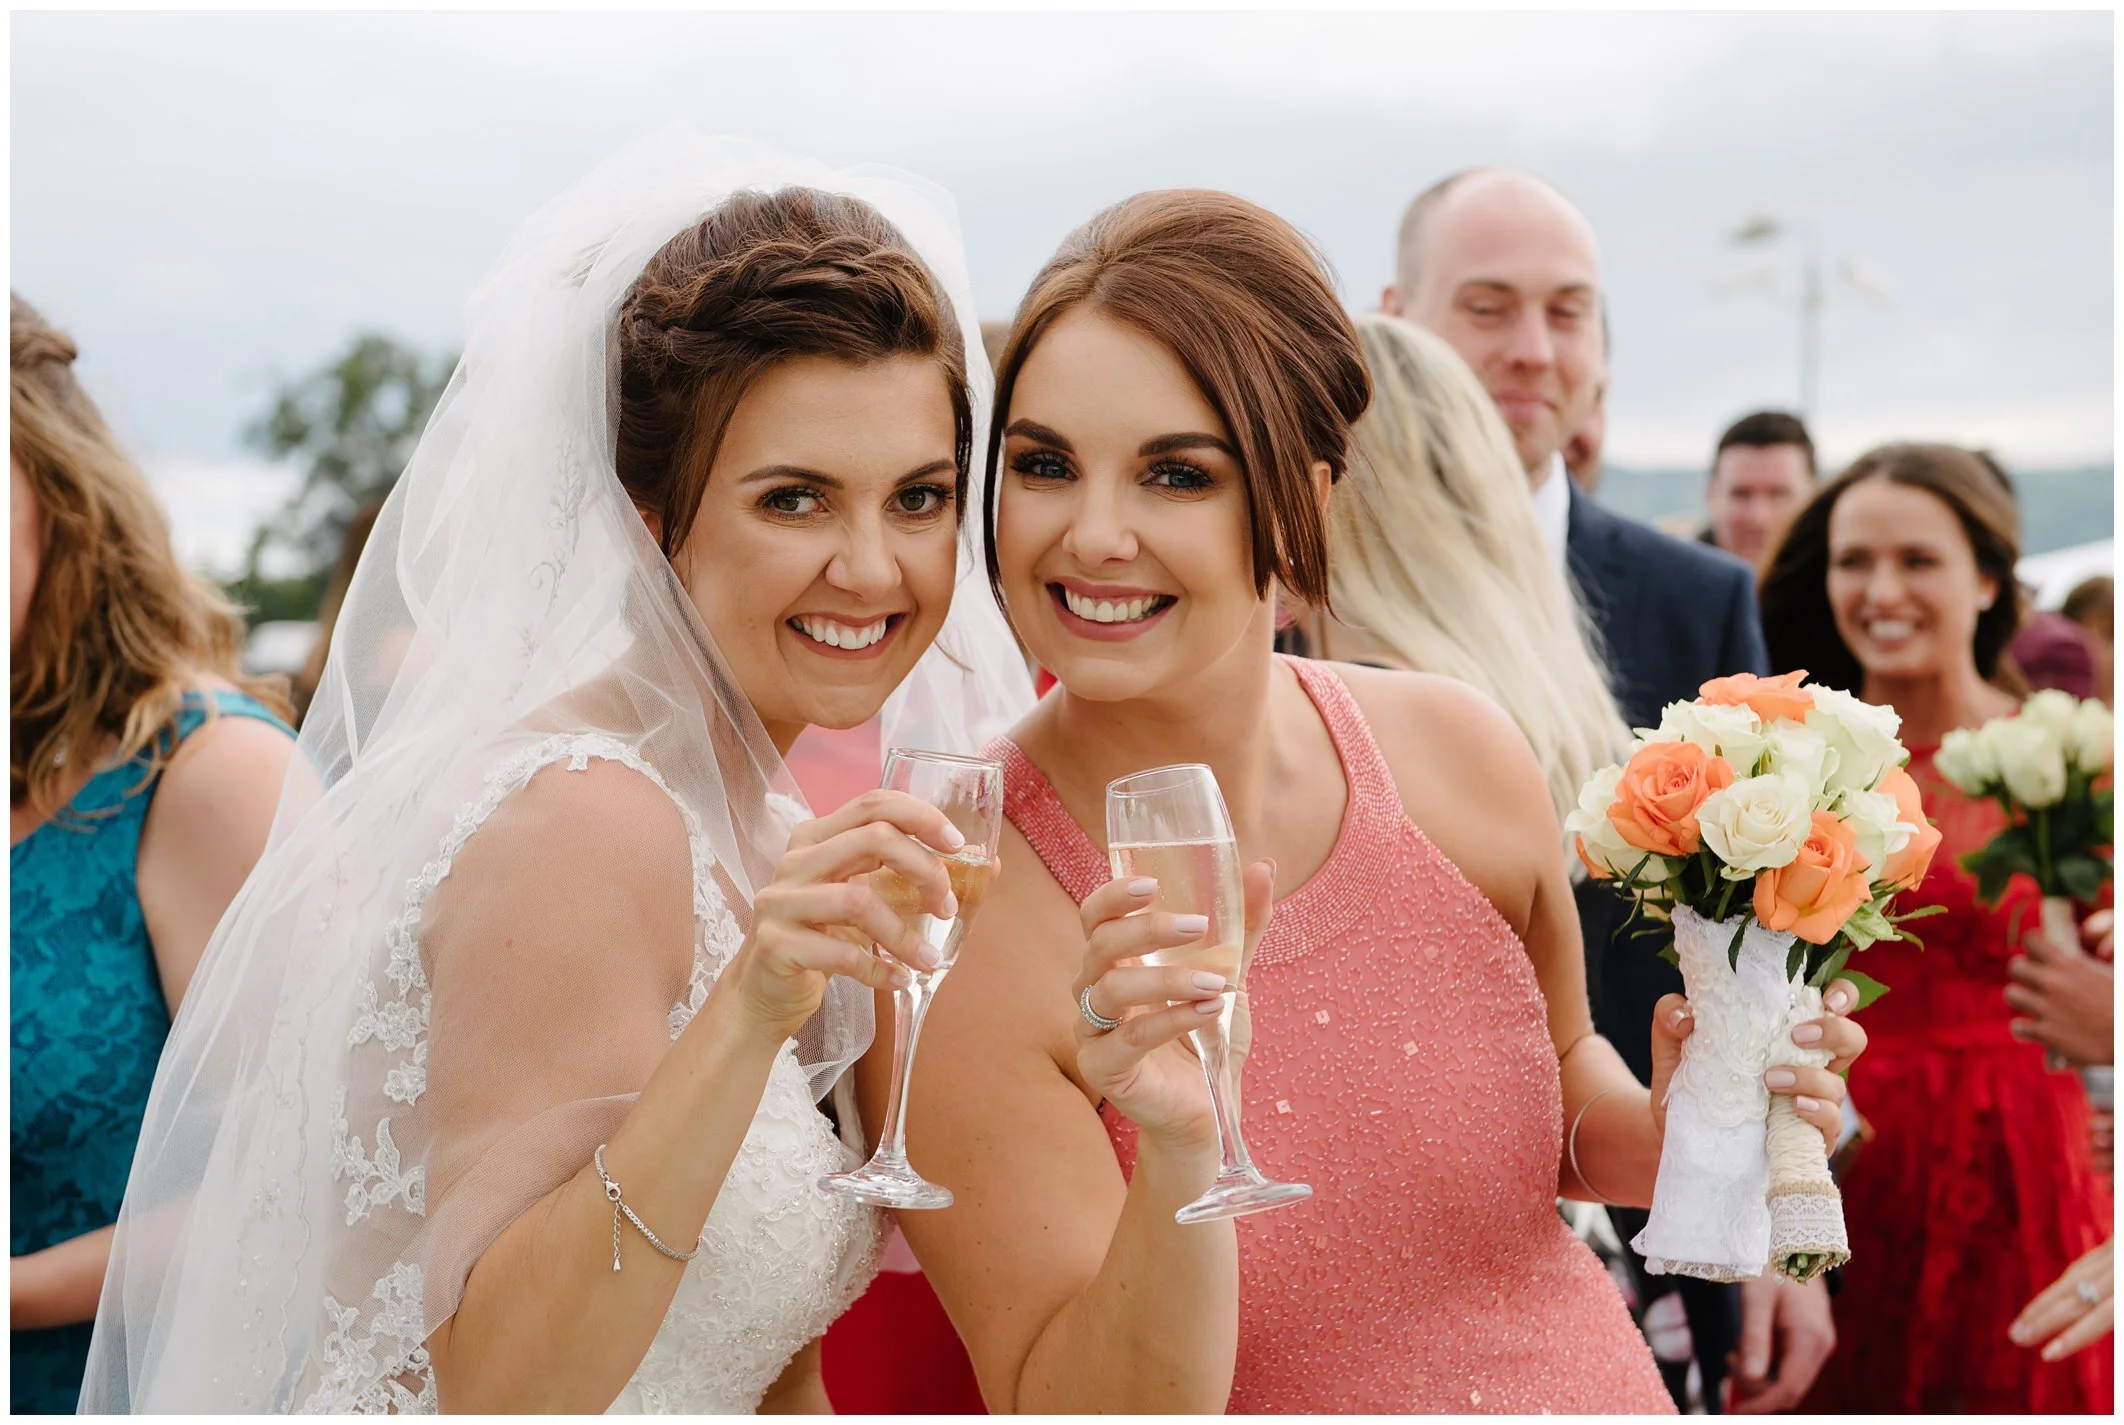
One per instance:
(1978, 1187)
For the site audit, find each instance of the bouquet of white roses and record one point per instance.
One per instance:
(2048, 766)
(1773, 822)
(2044, 765)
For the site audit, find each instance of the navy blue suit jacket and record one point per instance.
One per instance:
(1672, 615)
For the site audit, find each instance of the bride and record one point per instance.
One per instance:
(497, 1088)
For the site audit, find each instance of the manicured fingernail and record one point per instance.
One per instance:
(953, 837)
(1190, 924)
(1204, 980)
(927, 956)
(2018, 1334)
(1806, 1034)
(951, 908)
(1806, 1104)
(1839, 1000)
(900, 980)
(2054, 1350)
(1143, 886)
(1781, 1078)
(1679, 1017)
(1210, 1006)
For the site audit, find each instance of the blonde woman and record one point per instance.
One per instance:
(1435, 563)
(143, 771)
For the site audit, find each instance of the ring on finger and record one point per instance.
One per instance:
(2088, 1292)
(1092, 1017)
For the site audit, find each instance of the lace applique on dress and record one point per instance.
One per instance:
(783, 1258)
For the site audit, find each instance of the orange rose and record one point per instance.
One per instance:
(1771, 698)
(1659, 792)
(1908, 866)
(1817, 893)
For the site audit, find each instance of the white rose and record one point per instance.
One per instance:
(1801, 752)
(1601, 844)
(1967, 759)
(2052, 710)
(1877, 825)
(2031, 760)
(1734, 733)
(1862, 735)
(1758, 823)
(2093, 737)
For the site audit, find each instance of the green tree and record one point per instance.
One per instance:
(352, 425)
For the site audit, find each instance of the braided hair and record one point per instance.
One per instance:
(764, 278)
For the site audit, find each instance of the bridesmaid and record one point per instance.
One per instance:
(1977, 1188)
(143, 772)
(1174, 403)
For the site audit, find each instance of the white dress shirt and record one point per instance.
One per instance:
(1552, 510)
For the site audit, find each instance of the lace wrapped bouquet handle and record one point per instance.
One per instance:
(1772, 821)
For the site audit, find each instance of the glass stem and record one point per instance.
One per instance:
(909, 1007)
(1214, 1044)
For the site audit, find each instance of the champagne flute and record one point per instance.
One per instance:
(1171, 824)
(968, 790)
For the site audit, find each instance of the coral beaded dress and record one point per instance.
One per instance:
(1402, 1065)
(1978, 1188)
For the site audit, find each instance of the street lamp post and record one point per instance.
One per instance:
(1853, 280)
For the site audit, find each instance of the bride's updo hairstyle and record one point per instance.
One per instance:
(1248, 305)
(764, 278)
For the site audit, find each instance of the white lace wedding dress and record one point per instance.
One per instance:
(781, 1258)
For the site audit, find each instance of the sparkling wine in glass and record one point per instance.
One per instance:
(968, 790)
(1171, 824)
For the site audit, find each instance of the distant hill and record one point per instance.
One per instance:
(2058, 507)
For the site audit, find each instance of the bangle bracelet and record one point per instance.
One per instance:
(1577, 1171)
(612, 1195)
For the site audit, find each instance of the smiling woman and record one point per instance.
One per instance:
(504, 1092)
(1175, 400)
(1896, 580)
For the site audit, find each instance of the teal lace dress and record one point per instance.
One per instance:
(88, 1023)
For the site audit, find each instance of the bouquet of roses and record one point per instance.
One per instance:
(1773, 822)
(2048, 766)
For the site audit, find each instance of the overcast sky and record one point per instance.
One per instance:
(212, 203)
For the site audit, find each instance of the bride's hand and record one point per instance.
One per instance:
(818, 918)
(1145, 1067)
(1817, 1094)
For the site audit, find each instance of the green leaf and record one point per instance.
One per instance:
(1830, 967)
(1992, 873)
(1671, 955)
(1919, 914)
(1867, 925)
(1869, 989)
(2081, 878)
(1733, 950)
(1794, 958)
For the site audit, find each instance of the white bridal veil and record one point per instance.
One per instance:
(297, 1223)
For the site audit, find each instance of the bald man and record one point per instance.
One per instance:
(1507, 270)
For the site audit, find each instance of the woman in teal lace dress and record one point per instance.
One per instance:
(143, 775)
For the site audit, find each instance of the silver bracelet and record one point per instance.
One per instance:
(612, 1195)
(1577, 1171)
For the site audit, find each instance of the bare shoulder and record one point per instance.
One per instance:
(1442, 723)
(607, 826)
(1467, 778)
(229, 771)
(581, 869)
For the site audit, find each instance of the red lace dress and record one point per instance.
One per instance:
(1978, 1188)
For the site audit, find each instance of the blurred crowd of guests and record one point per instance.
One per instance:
(1467, 540)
